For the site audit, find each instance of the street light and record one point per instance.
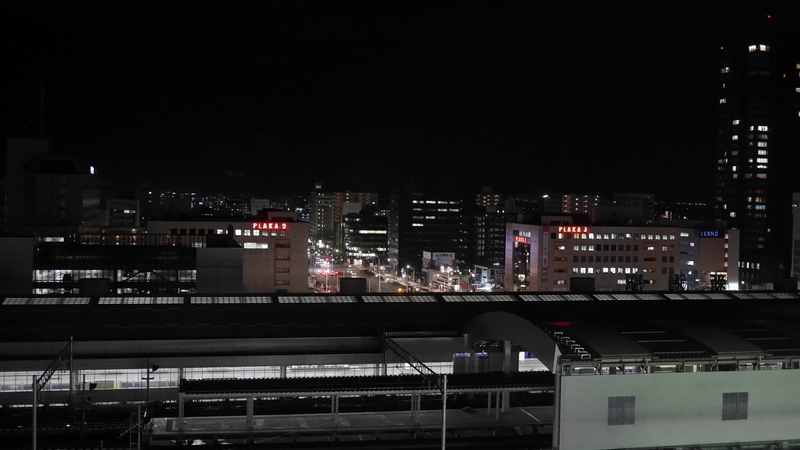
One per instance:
(412, 276)
(154, 367)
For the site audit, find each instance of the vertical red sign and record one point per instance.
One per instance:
(545, 251)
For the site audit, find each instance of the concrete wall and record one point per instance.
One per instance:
(219, 270)
(677, 409)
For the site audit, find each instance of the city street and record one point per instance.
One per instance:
(328, 276)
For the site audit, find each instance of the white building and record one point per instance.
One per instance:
(273, 253)
(551, 257)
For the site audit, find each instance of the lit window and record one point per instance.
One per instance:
(736, 121)
(762, 144)
(763, 128)
(722, 100)
(735, 137)
(725, 70)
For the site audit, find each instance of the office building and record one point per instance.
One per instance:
(422, 221)
(327, 210)
(758, 120)
(559, 256)
(581, 204)
(365, 237)
(266, 254)
(48, 194)
(490, 227)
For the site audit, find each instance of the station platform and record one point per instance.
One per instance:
(426, 424)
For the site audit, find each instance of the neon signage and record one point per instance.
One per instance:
(573, 229)
(522, 239)
(270, 226)
(710, 233)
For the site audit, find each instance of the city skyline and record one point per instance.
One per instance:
(274, 97)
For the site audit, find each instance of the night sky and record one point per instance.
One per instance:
(269, 97)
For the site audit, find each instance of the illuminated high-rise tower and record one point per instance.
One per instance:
(757, 146)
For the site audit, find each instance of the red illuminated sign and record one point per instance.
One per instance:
(270, 226)
(522, 239)
(573, 229)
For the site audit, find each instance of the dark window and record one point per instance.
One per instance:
(621, 410)
(734, 406)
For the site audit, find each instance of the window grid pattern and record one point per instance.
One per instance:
(47, 301)
(398, 299)
(622, 410)
(478, 298)
(734, 406)
(316, 299)
(140, 300)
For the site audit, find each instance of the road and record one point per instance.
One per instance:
(327, 279)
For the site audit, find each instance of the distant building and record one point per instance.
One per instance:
(627, 209)
(581, 204)
(365, 237)
(551, 257)
(327, 210)
(420, 220)
(257, 204)
(758, 119)
(440, 274)
(48, 194)
(123, 213)
(273, 254)
(267, 254)
(490, 218)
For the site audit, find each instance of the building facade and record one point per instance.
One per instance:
(420, 221)
(268, 254)
(758, 119)
(558, 257)
(365, 237)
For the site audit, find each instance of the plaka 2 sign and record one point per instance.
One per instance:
(270, 226)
